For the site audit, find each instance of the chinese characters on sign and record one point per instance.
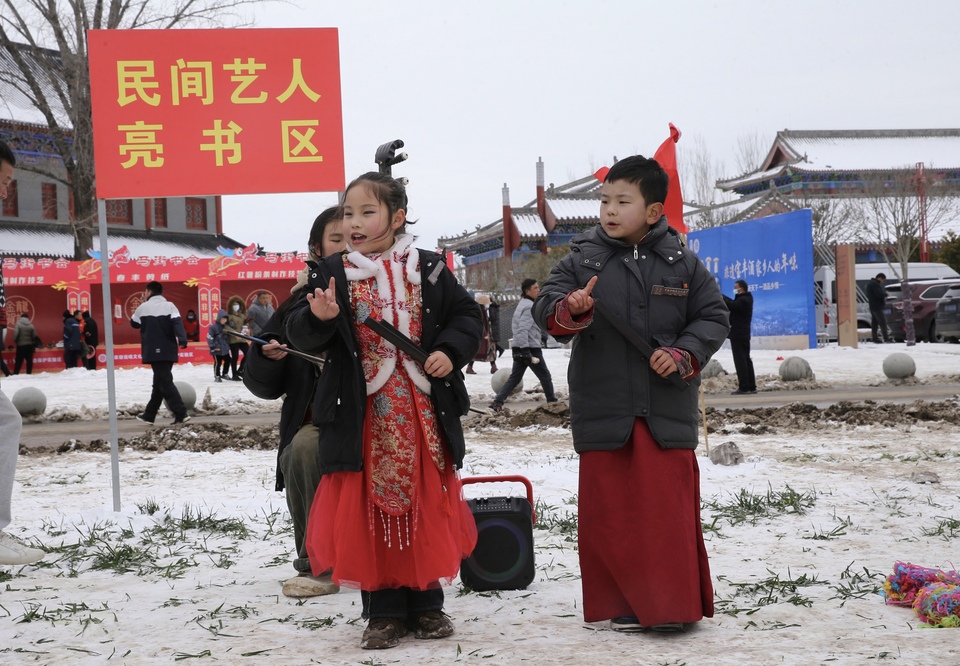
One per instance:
(216, 111)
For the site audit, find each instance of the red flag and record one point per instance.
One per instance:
(666, 155)
(601, 173)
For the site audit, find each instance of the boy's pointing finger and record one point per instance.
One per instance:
(589, 287)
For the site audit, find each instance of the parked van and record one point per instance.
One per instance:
(825, 291)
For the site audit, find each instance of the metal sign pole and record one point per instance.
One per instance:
(108, 339)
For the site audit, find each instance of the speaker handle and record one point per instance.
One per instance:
(507, 478)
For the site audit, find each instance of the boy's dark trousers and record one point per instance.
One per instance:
(746, 378)
(401, 602)
(163, 387)
(91, 363)
(520, 365)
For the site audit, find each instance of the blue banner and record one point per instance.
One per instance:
(774, 256)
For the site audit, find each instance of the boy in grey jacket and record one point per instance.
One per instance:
(526, 348)
(635, 430)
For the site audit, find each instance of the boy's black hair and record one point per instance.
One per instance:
(6, 155)
(742, 285)
(526, 284)
(881, 276)
(644, 172)
(155, 288)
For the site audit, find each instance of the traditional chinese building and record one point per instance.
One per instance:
(804, 165)
(554, 216)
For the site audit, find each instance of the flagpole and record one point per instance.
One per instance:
(108, 341)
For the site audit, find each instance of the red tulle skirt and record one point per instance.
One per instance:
(371, 550)
(640, 537)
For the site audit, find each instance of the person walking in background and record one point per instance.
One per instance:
(526, 348)
(237, 321)
(259, 313)
(26, 339)
(270, 374)
(643, 562)
(218, 346)
(741, 316)
(488, 343)
(91, 336)
(12, 550)
(161, 333)
(877, 300)
(72, 340)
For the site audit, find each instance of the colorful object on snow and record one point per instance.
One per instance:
(938, 605)
(902, 586)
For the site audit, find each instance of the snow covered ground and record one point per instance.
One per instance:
(800, 536)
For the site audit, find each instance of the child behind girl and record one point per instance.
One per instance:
(389, 516)
(218, 346)
(270, 373)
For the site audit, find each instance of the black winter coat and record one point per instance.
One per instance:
(741, 314)
(665, 293)
(91, 332)
(291, 376)
(876, 294)
(451, 323)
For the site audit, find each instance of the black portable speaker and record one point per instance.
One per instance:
(503, 558)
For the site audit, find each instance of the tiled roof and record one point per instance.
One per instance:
(855, 151)
(528, 224)
(575, 209)
(34, 239)
(14, 105)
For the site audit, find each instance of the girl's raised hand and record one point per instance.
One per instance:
(438, 364)
(323, 302)
(580, 301)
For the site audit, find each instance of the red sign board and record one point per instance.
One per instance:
(207, 112)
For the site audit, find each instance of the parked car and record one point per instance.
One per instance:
(925, 296)
(948, 315)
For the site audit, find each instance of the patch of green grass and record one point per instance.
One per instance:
(856, 584)
(946, 528)
(748, 507)
(771, 590)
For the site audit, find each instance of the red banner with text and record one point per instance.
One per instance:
(208, 112)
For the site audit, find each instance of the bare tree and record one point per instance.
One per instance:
(699, 175)
(834, 220)
(751, 149)
(890, 212)
(47, 42)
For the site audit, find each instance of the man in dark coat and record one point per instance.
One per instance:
(161, 332)
(72, 340)
(877, 300)
(91, 335)
(741, 315)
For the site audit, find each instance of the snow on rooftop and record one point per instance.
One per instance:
(849, 153)
(575, 209)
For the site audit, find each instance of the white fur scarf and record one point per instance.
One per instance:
(403, 262)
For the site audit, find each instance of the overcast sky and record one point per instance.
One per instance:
(480, 90)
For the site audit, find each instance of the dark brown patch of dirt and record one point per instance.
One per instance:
(205, 437)
(808, 417)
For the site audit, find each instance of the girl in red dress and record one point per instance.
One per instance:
(389, 516)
